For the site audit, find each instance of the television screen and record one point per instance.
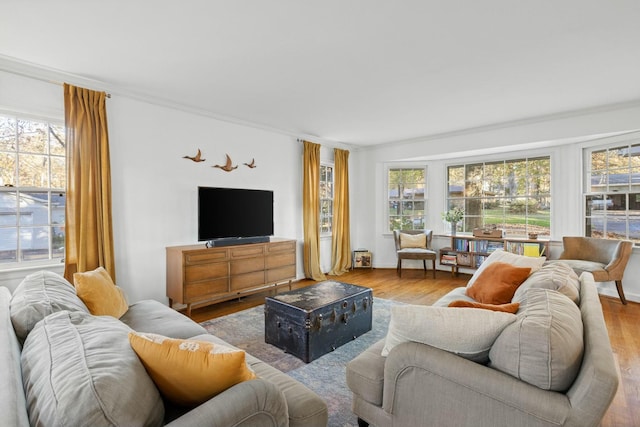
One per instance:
(234, 212)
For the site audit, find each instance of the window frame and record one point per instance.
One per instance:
(54, 228)
(609, 197)
(330, 200)
(388, 200)
(470, 221)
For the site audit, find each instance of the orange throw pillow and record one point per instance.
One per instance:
(507, 308)
(497, 283)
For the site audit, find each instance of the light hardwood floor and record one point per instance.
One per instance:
(416, 288)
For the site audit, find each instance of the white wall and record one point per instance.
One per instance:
(154, 189)
(511, 140)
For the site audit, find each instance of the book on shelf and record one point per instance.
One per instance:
(449, 259)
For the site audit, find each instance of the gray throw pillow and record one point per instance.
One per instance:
(38, 295)
(79, 369)
(544, 346)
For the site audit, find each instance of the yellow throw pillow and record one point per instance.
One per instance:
(413, 240)
(99, 293)
(190, 372)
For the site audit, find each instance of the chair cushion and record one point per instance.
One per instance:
(100, 294)
(38, 295)
(466, 332)
(79, 369)
(413, 240)
(544, 346)
(497, 283)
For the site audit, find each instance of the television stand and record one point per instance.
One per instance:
(234, 241)
(198, 276)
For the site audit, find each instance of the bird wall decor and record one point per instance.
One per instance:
(252, 164)
(228, 166)
(196, 158)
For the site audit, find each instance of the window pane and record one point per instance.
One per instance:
(34, 243)
(7, 169)
(595, 227)
(8, 244)
(58, 172)
(7, 133)
(456, 181)
(634, 217)
(56, 140)
(34, 171)
(34, 208)
(618, 158)
(32, 137)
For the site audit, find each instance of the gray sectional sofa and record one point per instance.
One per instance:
(551, 366)
(61, 366)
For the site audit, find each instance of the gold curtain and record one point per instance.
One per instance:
(341, 231)
(311, 211)
(88, 229)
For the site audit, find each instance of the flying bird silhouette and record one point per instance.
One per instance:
(252, 164)
(227, 167)
(196, 158)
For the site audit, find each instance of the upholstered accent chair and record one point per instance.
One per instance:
(606, 259)
(414, 244)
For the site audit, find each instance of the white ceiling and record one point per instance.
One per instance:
(354, 71)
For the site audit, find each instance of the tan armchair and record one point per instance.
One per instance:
(409, 250)
(606, 259)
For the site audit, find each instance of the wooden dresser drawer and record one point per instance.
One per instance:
(200, 257)
(288, 246)
(240, 266)
(249, 280)
(198, 272)
(204, 290)
(247, 251)
(282, 273)
(280, 260)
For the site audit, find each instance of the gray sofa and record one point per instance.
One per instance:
(418, 384)
(72, 368)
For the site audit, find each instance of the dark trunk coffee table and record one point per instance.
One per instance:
(312, 321)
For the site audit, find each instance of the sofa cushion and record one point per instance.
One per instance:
(557, 276)
(466, 332)
(413, 240)
(100, 294)
(38, 295)
(79, 369)
(509, 258)
(511, 307)
(544, 346)
(497, 283)
(156, 318)
(190, 372)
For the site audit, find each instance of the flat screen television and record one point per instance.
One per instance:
(228, 216)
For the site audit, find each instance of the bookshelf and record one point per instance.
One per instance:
(471, 252)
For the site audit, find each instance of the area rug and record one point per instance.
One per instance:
(325, 375)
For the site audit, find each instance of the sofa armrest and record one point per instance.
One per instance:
(460, 392)
(254, 403)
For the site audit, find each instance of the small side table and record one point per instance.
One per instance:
(362, 258)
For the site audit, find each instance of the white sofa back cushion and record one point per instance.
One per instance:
(79, 369)
(535, 263)
(544, 346)
(38, 295)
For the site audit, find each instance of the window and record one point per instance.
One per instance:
(612, 192)
(32, 190)
(326, 199)
(406, 198)
(515, 195)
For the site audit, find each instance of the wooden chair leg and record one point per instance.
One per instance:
(424, 265)
(621, 291)
(434, 268)
(399, 267)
